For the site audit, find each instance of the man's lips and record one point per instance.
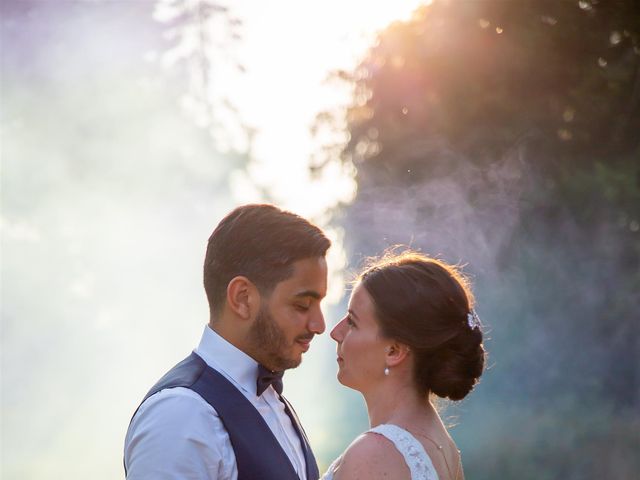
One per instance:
(305, 342)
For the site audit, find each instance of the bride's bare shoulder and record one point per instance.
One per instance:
(372, 456)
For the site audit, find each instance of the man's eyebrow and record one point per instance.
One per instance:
(309, 293)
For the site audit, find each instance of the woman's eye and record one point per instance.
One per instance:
(350, 322)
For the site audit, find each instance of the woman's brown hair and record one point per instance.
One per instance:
(427, 305)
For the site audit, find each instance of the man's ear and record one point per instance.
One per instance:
(396, 353)
(243, 297)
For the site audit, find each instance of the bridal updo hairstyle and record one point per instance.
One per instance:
(424, 303)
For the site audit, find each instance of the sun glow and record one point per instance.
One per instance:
(289, 49)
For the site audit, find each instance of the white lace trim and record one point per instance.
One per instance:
(411, 449)
(414, 454)
(332, 468)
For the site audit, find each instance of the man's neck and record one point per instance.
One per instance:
(231, 335)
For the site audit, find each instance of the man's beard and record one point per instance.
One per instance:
(268, 338)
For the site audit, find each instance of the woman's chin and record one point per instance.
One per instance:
(343, 379)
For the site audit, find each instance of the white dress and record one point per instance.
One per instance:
(411, 449)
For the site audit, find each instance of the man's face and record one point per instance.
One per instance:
(290, 316)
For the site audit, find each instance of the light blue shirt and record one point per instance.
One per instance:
(176, 434)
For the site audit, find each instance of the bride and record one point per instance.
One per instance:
(410, 333)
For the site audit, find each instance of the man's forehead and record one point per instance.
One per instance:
(309, 278)
(309, 268)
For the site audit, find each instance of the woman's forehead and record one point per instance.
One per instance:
(361, 301)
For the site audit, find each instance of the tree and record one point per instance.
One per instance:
(506, 134)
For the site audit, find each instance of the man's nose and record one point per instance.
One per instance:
(316, 324)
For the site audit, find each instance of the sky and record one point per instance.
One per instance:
(288, 51)
(111, 184)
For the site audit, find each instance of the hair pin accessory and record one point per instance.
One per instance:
(473, 320)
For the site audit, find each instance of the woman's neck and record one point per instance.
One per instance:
(398, 404)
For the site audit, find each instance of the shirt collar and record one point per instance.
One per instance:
(224, 357)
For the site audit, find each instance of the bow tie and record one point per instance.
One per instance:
(266, 377)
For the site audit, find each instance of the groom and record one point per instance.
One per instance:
(219, 414)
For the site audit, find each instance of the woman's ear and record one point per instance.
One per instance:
(243, 297)
(396, 354)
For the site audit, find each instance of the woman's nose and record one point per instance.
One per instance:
(336, 332)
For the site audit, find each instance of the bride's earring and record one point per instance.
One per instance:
(386, 369)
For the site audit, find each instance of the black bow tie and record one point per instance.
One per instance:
(266, 377)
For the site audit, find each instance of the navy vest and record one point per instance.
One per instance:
(258, 454)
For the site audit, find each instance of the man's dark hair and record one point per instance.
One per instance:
(260, 242)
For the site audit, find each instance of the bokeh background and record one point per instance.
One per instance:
(499, 135)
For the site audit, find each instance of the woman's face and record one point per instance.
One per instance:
(361, 349)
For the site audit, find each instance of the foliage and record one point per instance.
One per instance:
(507, 134)
(483, 75)
(203, 37)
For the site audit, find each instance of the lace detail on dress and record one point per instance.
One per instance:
(332, 468)
(414, 454)
(411, 449)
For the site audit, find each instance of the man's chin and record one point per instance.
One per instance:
(280, 363)
(295, 363)
(291, 362)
